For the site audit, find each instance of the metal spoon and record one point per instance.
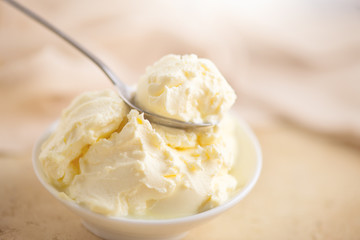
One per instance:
(125, 92)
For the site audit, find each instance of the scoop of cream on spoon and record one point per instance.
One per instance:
(185, 92)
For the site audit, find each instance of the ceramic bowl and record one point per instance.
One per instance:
(247, 171)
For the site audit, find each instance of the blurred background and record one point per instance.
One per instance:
(295, 66)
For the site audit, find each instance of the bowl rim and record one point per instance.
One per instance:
(167, 221)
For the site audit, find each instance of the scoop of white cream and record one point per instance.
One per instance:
(111, 160)
(186, 88)
(136, 172)
(89, 117)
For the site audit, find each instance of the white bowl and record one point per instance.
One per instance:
(247, 172)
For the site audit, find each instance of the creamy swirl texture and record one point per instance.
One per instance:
(111, 160)
(185, 88)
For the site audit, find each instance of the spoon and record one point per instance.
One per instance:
(125, 92)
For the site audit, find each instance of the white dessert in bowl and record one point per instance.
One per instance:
(128, 177)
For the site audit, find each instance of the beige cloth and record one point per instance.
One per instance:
(297, 61)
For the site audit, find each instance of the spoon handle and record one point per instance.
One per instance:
(124, 92)
(110, 74)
